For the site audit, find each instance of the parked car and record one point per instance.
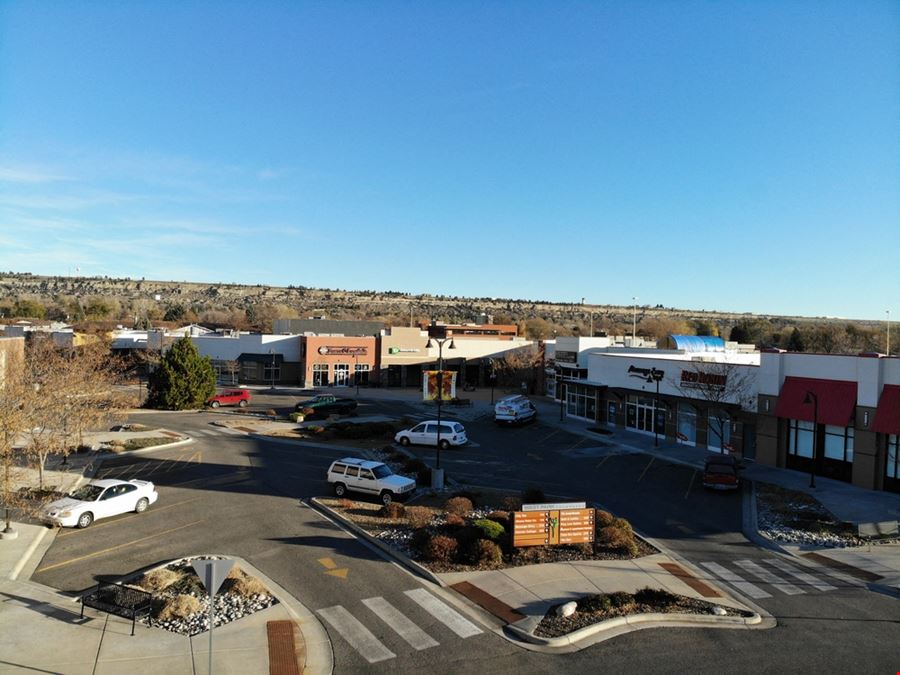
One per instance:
(100, 499)
(325, 405)
(426, 433)
(239, 397)
(375, 478)
(515, 409)
(722, 472)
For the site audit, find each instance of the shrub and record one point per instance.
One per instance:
(345, 503)
(621, 599)
(511, 503)
(501, 517)
(467, 536)
(418, 517)
(654, 596)
(603, 518)
(489, 529)
(468, 494)
(616, 538)
(235, 573)
(249, 586)
(297, 417)
(533, 495)
(461, 506)
(271, 413)
(623, 524)
(392, 510)
(179, 607)
(160, 579)
(441, 549)
(454, 520)
(487, 554)
(419, 540)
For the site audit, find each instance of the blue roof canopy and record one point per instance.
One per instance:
(698, 343)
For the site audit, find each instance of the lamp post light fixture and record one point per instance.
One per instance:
(438, 479)
(634, 320)
(812, 398)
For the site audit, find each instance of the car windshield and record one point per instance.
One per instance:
(720, 469)
(86, 493)
(381, 471)
(458, 428)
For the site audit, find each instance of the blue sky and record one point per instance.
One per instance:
(740, 156)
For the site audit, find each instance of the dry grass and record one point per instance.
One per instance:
(179, 607)
(418, 516)
(235, 573)
(248, 586)
(160, 579)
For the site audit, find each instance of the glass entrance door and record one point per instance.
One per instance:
(341, 374)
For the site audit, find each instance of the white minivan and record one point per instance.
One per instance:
(514, 410)
(426, 433)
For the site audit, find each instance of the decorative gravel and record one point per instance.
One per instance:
(229, 606)
(588, 613)
(795, 517)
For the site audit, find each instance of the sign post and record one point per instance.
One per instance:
(212, 573)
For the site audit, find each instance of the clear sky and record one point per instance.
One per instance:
(740, 156)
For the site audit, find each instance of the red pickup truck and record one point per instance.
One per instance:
(240, 397)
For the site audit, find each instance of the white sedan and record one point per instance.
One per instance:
(100, 499)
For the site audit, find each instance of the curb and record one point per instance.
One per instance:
(391, 553)
(639, 622)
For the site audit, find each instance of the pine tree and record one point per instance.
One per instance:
(183, 380)
(796, 342)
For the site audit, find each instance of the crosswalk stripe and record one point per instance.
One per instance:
(415, 636)
(359, 637)
(768, 577)
(736, 581)
(802, 576)
(450, 618)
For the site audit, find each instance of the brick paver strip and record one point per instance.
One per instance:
(282, 652)
(247, 429)
(499, 609)
(171, 434)
(703, 589)
(839, 566)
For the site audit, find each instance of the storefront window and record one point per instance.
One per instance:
(581, 401)
(800, 438)
(719, 429)
(839, 443)
(320, 374)
(687, 423)
(361, 372)
(892, 470)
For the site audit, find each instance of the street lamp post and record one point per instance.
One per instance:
(356, 373)
(493, 378)
(657, 375)
(812, 398)
(438, 477)
(634, 320)
(272, 375)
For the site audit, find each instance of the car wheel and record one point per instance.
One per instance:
(85, 519)
(214, 404)
(404, 441)
(340, 489)
(142, 505)
(387, 497)
(445, 444)
(243, 404)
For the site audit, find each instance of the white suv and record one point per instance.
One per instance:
(426, 433)
(374, 478)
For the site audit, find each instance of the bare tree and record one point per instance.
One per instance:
(13, 425)
(232, 368)
(726, 388)
(519, 366)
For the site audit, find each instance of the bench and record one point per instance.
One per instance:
(883, 530)
(129, 603)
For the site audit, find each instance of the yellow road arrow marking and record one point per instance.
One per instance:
(332, 568)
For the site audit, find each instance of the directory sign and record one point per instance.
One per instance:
(553, 526)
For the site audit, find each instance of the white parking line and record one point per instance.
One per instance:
(450, 618)
(768, 577)
(414, 636)
(744, 586)
(802, 576)
(359, 637)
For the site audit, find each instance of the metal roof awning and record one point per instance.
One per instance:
(836, 400)
(887, 414)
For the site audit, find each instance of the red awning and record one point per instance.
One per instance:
(887, 415)
(836, 400)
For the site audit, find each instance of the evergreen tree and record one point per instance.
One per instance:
(739, 333)
(796, 343)
(183, 380)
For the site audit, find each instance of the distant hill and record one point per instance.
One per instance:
(127, 299)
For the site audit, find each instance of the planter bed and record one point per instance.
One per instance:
(797, 517)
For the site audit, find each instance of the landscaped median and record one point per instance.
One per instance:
(465, 541)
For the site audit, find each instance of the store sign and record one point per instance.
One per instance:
(693, 379)
(342, 351)
(553, 527)
(566, 357)
(646, 374)
(402, 350)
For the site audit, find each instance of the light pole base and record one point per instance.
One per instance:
(9, 533)
(437, 479)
